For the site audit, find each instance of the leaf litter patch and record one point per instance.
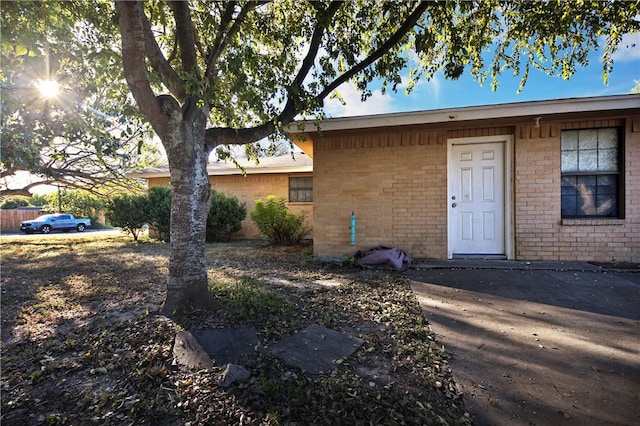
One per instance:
(120, 369)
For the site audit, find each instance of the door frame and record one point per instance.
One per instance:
(508, 140)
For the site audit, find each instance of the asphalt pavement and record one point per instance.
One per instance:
(538, 343)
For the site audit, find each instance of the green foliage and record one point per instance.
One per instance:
(250, 301)
(38, 200)
(225, 218)
(87, 136)
(14, 202)
(276, 223)
(159, 199)
(77, 202)
(129, 212)
(20, 201)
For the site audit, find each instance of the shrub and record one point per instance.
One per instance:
(129, 212)
(14, 202)
(225, 218)
(160, 211)
(276, 223)
(77, 202)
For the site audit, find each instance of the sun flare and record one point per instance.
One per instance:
(48, 88)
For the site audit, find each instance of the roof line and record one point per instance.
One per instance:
(226, 171)
(482, 112)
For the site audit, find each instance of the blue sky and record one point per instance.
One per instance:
(441, 93)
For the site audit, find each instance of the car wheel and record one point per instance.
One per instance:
(81, 227)
(45, 229)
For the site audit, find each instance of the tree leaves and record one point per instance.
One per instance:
(78, 138)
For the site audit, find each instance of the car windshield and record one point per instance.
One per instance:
(45, 217)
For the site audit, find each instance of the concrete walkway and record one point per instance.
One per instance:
(537, 343)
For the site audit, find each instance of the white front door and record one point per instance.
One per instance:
(477, 198)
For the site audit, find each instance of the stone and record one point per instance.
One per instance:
(209, 347)
(315, 349)
(227, 345)
(232, 374)
(188, 352)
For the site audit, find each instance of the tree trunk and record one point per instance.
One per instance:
(187, 286)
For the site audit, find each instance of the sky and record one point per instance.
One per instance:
(440, 93)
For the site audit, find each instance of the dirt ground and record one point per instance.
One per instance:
(83, 343)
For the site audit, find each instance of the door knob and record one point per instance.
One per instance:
(453, 197)
(454, 205)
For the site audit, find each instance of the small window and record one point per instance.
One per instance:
(301, 189)
(590, 173)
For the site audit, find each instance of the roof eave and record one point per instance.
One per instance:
(484, 112)
(228, 172)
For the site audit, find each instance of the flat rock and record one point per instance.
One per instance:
(188, 352)
(315, 349)
(217, 346)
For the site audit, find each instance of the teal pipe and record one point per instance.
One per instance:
(353, 228)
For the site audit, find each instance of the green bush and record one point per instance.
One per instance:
(225, 218)
(77, 202)
(14, 202)
(160, 211)
(276, 223)
(129, 212)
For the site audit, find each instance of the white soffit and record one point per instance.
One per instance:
(520, 109)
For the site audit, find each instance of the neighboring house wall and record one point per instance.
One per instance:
(250, 188)
(395, 180)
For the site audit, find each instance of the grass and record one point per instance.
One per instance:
(82, 343)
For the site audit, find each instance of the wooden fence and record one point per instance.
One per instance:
(10, 219)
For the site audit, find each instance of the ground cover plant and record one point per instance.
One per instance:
(83, 343)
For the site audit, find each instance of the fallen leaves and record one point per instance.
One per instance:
(81, 344)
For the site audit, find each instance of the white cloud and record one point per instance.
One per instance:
(377, 103)
(430, 88)
(628, 49)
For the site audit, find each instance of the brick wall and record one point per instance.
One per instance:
(396, 181)
(250, 188)
(540, 231)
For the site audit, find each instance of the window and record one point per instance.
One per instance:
(301, 189)
(590, 173)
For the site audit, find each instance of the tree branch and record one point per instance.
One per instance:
(226, 136)
(316, 40)
(186, 35)
(131, 18)
(379, 52)
(24, 191)
(161, 64)
(292, 106)
(225, 19)
(221, 40)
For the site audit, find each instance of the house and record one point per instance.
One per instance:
(544, 180)
(285, 176)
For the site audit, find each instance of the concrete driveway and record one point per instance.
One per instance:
(537, 343)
